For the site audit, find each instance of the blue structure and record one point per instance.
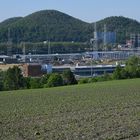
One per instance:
(110, 37)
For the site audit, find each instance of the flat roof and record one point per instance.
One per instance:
(4, 56)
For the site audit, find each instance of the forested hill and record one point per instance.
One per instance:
(44, 25)
(121, 25)
(57, 26)
(9, 21)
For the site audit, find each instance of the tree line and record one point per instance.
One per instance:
(131, 70)
(43, 47)
(12, 79)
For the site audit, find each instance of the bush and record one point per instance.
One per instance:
(27, 83)
(44, 80)
(83, 81)
(92, 80)
(133, 67)
(54, 81)
(1, 80)
(117, 74)
(69, 78)
(35, 83)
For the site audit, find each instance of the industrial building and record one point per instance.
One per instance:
(95, 55)
(135, 40)
(32, 70)
(107, 37)
(4, 59)
(91, 71)
(37, 70)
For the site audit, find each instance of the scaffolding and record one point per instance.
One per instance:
(135, 40)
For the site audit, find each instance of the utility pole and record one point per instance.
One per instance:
(23, 51)
(47, 39)
(94, 44)
(49, 47)
(105, 37)
(95, 37)
(9, 44)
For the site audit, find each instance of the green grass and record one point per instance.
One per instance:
(101, 111)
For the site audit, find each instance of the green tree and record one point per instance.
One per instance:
(133, 67)
(1, 80)
(35, 83)
(83, 81)
(54, 80)
(27, 82)
(13, 79)
(117, 74)
(69, 78)
(44, 79)
(124, 74)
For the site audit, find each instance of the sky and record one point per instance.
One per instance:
(86, 10)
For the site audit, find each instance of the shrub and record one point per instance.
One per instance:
(35, 83)
(83, 81)
(69, 78)
(54, 81)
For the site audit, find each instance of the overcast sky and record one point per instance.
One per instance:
(87, 10)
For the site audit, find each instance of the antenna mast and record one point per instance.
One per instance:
(95, 37)
(9, 44)
(23, 51)
(105, 36)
